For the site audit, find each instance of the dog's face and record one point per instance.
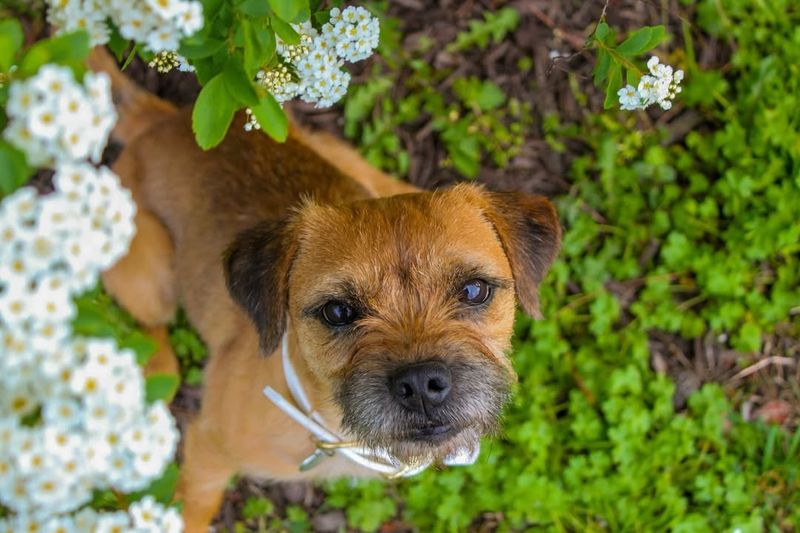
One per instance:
(404, 306)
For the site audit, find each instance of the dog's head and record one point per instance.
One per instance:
(404, 305)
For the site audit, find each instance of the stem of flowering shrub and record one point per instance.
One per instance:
(121, 501)
(130, 57)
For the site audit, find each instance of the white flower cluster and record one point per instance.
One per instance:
(349, 35)
(660, 87)
(72, 412)
(52, 118)
(158, 24)
(143, 516)
(72, 415)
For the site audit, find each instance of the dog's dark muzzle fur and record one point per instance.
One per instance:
(426, 409)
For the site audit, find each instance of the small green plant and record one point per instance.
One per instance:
(493, 28)
(259, 515)
(618, 62)
(189, 348)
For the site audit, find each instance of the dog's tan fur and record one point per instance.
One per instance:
(339, 218)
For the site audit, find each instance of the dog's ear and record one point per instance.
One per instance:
(530, 233)
(257, 266)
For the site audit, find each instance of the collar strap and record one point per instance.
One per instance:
(330, 443)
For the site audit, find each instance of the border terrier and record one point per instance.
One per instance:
(395, 306)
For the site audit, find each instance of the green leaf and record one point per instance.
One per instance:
(489, 96)
(254, 8)
(161, 387)
(213, 113)
(255, 507)
(11, 39)
(614, 85)
(601, 32)
(205, 69)
(259, 45)
(284, 31)
(748, 338)
(199, 50)
(466, 156)
(290, 10)
(14, 169)
(66, 49)
(143, 346)
(484, 95)
(117, 44)
(163, 488)
(493, 28)
(273, 120)
(601, 67)
(641, 41)
(131, 56)
(239, 84)
(656, 37)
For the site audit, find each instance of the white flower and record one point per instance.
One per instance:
(52, 82)
(165, 8)
(97, 454)
(42, 122)
(63, 413)
(150, 516)
(112, 523)
(651, 63)
(52, 305)
(138, 20)
(353, 32)
(349, 35)
(629, 97)
(16, 302)
(55, 119)
(71, 177)
(171, 521)
(647, 90)
(133, 24)
(21, 100)
(660, 87)
(85, 519)
(190, 17)
(162, 39)
(77, 142)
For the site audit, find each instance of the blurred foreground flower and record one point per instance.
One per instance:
(159, 24)
(73, 417)
(52, 118)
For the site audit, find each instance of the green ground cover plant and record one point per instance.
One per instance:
(481, 121)
(593, 440)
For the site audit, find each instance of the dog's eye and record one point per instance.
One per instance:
(475, 292)
(338, 313)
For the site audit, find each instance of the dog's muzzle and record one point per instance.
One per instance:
(421, 387)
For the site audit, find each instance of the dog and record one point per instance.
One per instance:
(393, 306)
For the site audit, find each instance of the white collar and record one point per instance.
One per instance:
(329, 443)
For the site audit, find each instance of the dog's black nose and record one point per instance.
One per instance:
(421, 386)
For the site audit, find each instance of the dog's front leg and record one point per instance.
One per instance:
(204, 475)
